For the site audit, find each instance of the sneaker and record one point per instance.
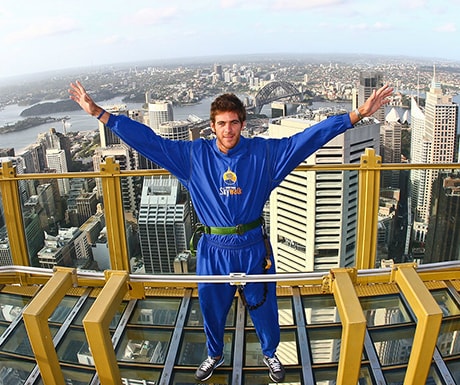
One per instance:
(206, 368)
(275, 368)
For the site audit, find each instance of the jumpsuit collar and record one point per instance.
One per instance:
(237, 150)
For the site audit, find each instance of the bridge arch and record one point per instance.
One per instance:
(274, 91)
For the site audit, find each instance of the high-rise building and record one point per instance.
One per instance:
(34, 158)
(159, 112)
(218, 70)
(165, 224)
(390, 148)
(69, 248)
(18, 163)
(313, 213)
(419, 153)
(53, 140)
(86, 205)
(57, 161)
(123, 155)
(106, 135)
(434, 135)
(443, 235)
(368, 82)
(178, 130)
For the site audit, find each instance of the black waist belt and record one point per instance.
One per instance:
(238, 229)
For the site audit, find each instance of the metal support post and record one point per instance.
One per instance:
(368, 209)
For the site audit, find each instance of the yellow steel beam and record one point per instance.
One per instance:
(36, 317)
(353, 325)
(96, 324)
(368, 206)
(114, 215)
(13, 215)
(429, 317)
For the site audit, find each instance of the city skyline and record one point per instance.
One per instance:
(88, 34)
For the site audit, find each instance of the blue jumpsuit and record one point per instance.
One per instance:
(228, 190)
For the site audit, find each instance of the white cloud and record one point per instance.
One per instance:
(290, 5)
(43, 28)
(448, 27)
(149, 16)
(231, 3)
(381, 26)
(109, 40)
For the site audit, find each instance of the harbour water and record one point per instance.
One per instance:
(78, 120)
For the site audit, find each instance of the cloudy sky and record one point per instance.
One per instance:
(45, 35)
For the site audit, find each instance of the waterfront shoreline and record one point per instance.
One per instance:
(28, 123)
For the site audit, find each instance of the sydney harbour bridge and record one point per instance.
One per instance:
(276, 90)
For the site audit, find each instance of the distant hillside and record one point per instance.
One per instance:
(47, 108)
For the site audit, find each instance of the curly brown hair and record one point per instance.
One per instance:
(225, 103)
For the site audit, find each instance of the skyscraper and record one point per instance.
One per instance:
(123, 155)
(57, 161)
(390, 148)
(311, 225)
(108, 138)
(159, 112)
(368, 82)
(164, 223)
(434, 131)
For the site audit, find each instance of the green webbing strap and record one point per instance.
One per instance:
(238, 229)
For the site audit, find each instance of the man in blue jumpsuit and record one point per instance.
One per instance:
(229, 179)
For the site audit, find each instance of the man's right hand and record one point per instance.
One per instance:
(78, 94)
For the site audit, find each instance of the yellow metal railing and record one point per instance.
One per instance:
(344, 284)
(368, 170)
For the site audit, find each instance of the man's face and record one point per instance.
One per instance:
(227, 128)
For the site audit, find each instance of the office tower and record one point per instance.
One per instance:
(159, 112)
(313, 214)
(164, 223)
(218, 71)
(390, 148)
(106, 135)
(123, 156)
(34, 235)
(56, 160)
(86, 206)
(69, 248)
(108, 138)
(434, 131)
(443, 236)
(178, 130)
(368, 82)
(18, 163)
(419, 153)
(34, 158)
(53, 140)
(279, 109)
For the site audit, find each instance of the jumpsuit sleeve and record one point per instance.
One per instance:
(173, 155)
(291, 151)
